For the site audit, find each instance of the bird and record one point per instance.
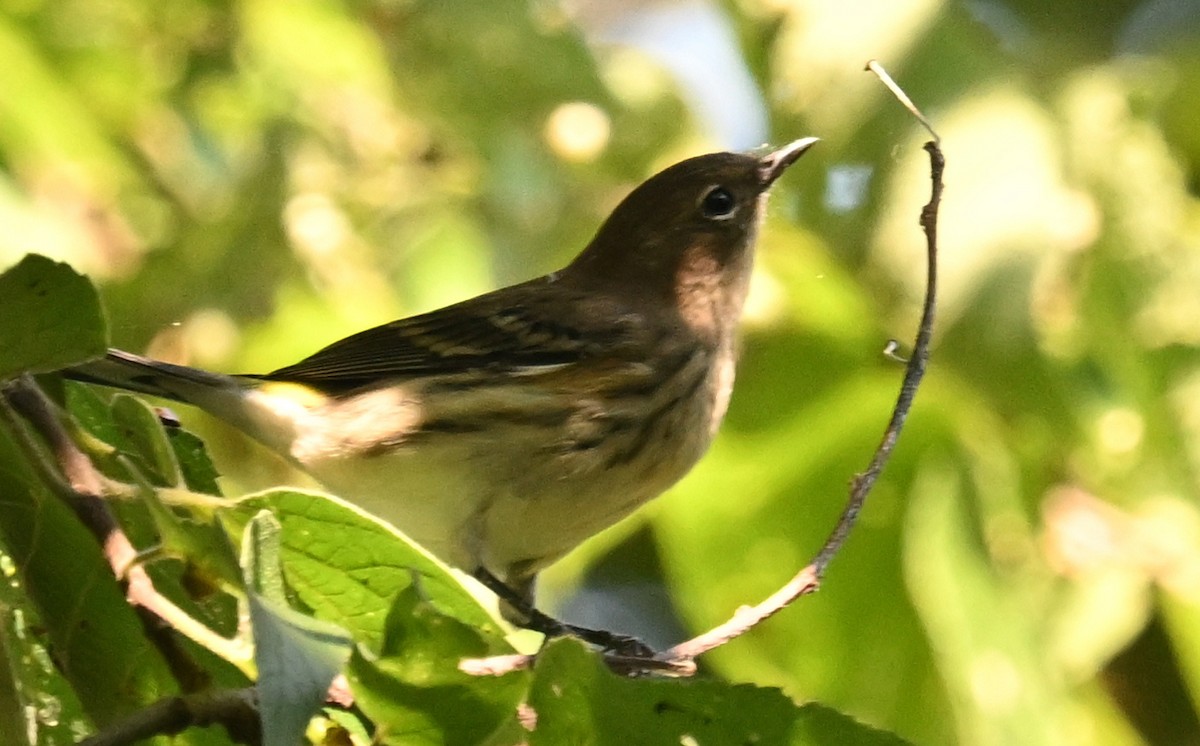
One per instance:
(502, 431)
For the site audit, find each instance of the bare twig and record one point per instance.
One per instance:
(808, 580)
(680, 659)
(495, 665)
(902, 97)
(236, 709)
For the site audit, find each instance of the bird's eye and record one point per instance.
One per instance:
(718, 204)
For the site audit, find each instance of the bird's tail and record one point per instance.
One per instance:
(234, 399)
(124, 370)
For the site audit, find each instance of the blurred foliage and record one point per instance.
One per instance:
(247, 181)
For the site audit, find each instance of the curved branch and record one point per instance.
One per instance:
(808, 580)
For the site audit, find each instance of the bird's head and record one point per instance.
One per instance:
(686, 233)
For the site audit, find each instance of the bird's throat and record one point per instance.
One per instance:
(711, 290)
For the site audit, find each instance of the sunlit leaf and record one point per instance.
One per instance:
(52, 317)
(349, 567)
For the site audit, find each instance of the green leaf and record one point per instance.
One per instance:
(576, 699)
(199, 473)
(205, 548)
(261, 567)
(37, 705)
(414, 692)
(823, 726)
(144, 430)
(12, 708)
(349, 567)
(422, 635)
(95, 636)
(133, 432)
(135, 439)
(297, 656)
(51, 317)
(94, 414)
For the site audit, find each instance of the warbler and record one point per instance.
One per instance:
(502, 431)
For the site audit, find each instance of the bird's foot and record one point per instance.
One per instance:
(608, 642)
(625, 646)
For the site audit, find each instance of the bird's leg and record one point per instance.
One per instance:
(550, 627)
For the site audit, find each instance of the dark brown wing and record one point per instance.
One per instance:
(508, 331)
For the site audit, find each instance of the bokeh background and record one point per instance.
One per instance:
(248, 181)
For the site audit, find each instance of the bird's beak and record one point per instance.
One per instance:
(771, 165)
